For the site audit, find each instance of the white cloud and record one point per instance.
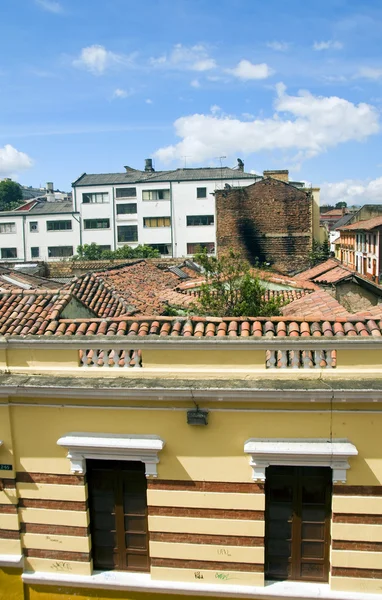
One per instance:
(246, 70)
(278, 46)
(327, 45)
(215, 109)
(353, 191)
(96, 59)
(192, 58)
(304, 123)
(119, 93)
(195, 83)
(370, 73)
(148, 101)
(50, 5)
(12, 160)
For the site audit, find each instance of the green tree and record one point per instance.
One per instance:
(231, 289)
(10, 194)
(341, 204)
(319, 252)
(95, 252)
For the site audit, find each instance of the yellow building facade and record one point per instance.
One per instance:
(202, 466)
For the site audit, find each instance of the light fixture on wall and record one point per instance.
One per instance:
(197, 416)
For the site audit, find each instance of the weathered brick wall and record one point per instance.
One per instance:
(269, 220)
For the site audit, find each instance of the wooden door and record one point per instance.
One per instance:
(297, 532)
(118, 515)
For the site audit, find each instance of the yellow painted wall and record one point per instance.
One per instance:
(58, 593)
(211, 453)
(11, 586)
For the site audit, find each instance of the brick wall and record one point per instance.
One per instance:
(269, 220)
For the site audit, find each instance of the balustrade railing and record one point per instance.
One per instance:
(117, 358)
(301, 359)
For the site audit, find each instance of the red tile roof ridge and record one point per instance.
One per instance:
(365, 224)
(164, 319)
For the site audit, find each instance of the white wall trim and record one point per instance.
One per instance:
(106, 446)
(11, 560)
(142, 582)
(300, 452)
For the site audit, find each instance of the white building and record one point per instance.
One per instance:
(173, 211)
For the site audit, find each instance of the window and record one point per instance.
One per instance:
(297, 523)
(96, 198)
(96, 223)
(128, 233)
(33, 226)
(60, 251)
(58, 225)
(35, 252)
(195, 247)
(106, 247)
(197, 220)
(156, 195)
(9, 253)
(126, 192)
(118, 515)
(162, 248)
(7, 227)
(126, 209)
(201, 192)
(157, 222)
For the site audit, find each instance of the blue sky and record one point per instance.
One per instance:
(94, 85)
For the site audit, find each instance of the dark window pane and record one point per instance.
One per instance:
(139, 562)
(312, 571)
(127, 233)
(9, 253)
(126, 209)
(312, 531)
(312, 550)
(135, 540)
(201, 192)
(313, 513)
(59, 225)
(104, 538)
(126, 192)
(135, 524)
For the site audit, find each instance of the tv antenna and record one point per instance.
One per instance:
(220, 158)
(185, 160)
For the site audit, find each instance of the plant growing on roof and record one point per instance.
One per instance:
(95, 252)
(319, 252)
(230, 288)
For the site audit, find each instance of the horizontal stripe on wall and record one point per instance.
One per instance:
(47, 516)
(8, 509)
(238, 578)
(205, 486)
(357, 490)
(9, 534)
(352, 518)
(64, 543)
(197, 538)
(9, 521)
(231, 501)
(355, 532)
(212, 513)
(53, 504)
(24, 477)
(47, 491)
(206, 564)
(369, 505)
(48, 565)
(356, 560)
(54, 529)
(57, 555)
(229, 527)
(366, 573)
(207, 552)
(359, 546)
(9, 484)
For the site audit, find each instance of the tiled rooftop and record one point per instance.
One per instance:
(320, 304)
(333, 275)
(363, 225)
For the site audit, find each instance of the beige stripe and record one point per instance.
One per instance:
(10, 546)
(356, 560)
(357, 532)
(207, 552)
(74, 518)
(204, 576)
(207, 526)
(8, 496)
(56, 542)
(49, 491)
(10, 521)
(48, 565)
(367, 505)
(356, 584)
(206, 500)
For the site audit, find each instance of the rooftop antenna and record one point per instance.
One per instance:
(220, 158)
(185, 160)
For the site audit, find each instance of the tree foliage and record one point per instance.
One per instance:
(231, 289)
(10, 194)
(341, 204)
(319, 252)
(95, 252)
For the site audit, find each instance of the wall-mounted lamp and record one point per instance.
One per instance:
(197, 416)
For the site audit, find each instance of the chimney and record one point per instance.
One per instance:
(240, 165)
(50, 197)
(49, 186)
(280, 175)
(149, 165)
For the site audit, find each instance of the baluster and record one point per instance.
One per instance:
(295, 361)
(83, 358)
(283, 359)
(271, 359)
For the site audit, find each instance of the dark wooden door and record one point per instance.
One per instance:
(297, 529)
(118, 515)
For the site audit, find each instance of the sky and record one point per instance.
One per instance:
(93, 85)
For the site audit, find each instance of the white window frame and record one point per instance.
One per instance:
(9, 227)
(107, 446)
(300, 452)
